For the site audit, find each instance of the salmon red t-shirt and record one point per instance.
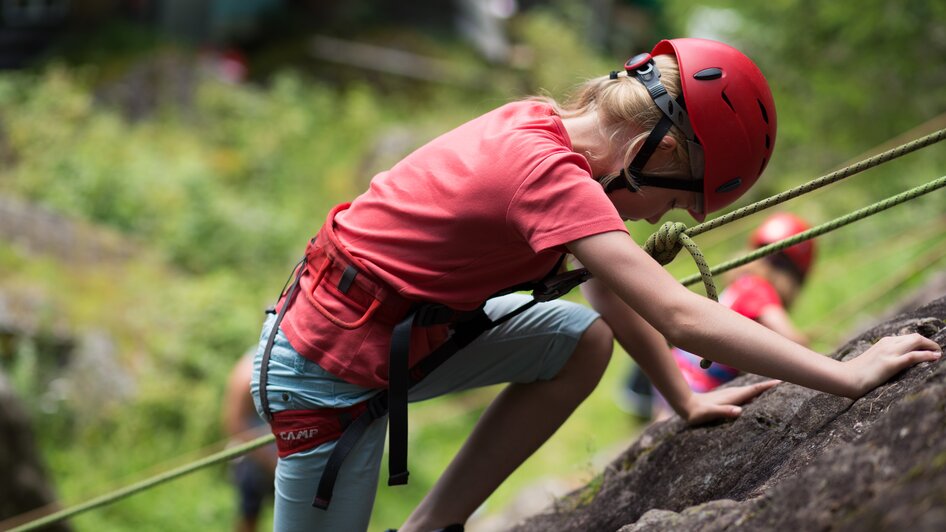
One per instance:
(483, 207)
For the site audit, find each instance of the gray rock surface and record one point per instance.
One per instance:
(796, 459)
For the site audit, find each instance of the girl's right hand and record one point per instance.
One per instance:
(722, 402)
(889, 356)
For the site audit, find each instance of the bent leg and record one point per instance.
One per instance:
(296, 383)
(515, 425)
(297, 477)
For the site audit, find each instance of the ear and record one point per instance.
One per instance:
(667, 143)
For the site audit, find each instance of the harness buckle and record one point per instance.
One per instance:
(433, 314)
(398, 479)
(378, 405)
(559, 285)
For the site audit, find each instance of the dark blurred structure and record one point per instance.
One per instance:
(24, 485)
(30, 28)
(27, 27)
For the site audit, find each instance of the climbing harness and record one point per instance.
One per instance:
(326, 259)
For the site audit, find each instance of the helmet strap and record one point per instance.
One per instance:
(634, 177)
(644, 154)
(689, 185)
(631, 178)
(643, 68)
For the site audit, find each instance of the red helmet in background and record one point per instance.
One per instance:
(779, 227)
(727, 115)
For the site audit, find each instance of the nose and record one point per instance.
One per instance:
(698, 216)
(654, 219)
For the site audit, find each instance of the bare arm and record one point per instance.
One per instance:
(237, 402)
(644, 343)
(776, 318)
(700, 325)
(651, 352)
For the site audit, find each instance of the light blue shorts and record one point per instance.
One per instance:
(530, 347)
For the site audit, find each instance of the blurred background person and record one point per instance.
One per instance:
(252, 473)
(762, 290)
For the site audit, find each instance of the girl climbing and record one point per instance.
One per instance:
(399, 277)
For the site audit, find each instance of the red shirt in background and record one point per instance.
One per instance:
(750, 295)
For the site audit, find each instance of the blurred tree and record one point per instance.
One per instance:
(854, 73)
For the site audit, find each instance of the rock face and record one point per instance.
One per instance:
(796, 459)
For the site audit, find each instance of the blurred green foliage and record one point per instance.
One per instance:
(216, 188)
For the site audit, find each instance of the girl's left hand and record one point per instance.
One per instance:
(889, 356)
(723, 402)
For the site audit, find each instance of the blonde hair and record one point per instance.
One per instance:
(626, 112)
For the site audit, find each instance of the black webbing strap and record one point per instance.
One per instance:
(398, 367)
(264, 363)
(401, 377)
(464, 333)
(377, 407)
(657, 134)
(398, 384)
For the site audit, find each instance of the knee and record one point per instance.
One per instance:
(593, 352)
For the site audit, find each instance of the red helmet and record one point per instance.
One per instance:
(780, 226)
(728, 116)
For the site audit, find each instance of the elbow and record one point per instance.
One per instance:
(679, 322)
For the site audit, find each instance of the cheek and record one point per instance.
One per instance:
(649, 208)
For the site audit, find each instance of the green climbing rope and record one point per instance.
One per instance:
(667, 241)
(127, 491)
(664, 245)
(848, 171)
(820, 229)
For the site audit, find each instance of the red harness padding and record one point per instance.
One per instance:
(298, 430)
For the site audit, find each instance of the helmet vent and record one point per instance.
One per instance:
(708, 74)
(729, 186)
(726, 99)
(765, 114)
(768, 142)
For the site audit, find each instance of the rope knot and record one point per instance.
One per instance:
(664, 245)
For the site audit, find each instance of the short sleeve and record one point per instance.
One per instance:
(560, 202)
